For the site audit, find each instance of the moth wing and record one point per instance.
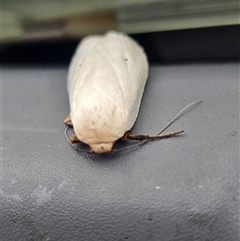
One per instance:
(131, 66)
(82, 52)
(106, 81)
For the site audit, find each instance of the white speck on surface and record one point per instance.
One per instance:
(49, 145)
(157, 187)
(200, 186)
(61, 184)
(42, 195)
(13, 181)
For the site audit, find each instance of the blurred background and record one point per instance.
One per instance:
(47, 31)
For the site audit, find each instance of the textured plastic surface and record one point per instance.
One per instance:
(182, 188)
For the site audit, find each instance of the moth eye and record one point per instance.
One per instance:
(126, 59)
(80, 65)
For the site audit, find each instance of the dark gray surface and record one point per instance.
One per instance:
(182, 188)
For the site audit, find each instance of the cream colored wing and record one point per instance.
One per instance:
(106, 81)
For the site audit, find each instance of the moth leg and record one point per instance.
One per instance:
(128, 136)
(73, 138)
(125, 137)
(68, 121)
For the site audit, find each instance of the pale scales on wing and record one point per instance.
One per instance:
(106, 81)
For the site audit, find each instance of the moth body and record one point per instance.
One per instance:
(106, 81)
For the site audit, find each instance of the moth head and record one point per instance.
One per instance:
(101, 147)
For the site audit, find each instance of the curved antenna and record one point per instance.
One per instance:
(131, 146)
(74, 147)
(162, 130)
(178, 115)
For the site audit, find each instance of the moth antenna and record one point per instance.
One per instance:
(162, 130)
(74, 147)
(178, 115)
(131, 146)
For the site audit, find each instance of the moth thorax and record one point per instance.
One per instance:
(101, 147)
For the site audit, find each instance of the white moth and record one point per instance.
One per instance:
(106, 81)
